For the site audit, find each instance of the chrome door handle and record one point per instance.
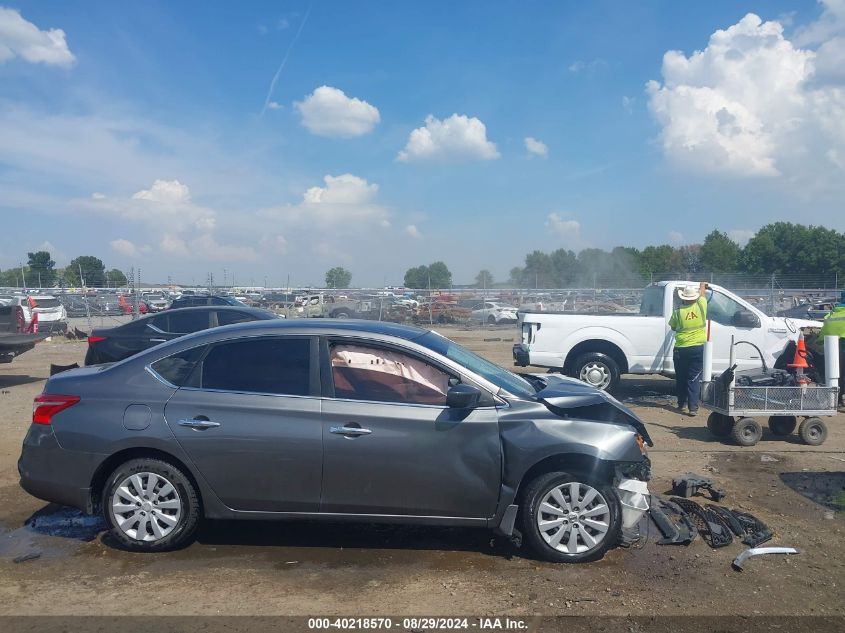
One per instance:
(200, 425)
(351, 431)
(157, 340)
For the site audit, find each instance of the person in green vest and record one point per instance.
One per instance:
(834, 325)
(689, 322)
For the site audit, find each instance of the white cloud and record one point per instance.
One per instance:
(741, 236)
(127, 248)
(173, 245)
(628, 104)
(676, 238)
(329, 112)
(535, 147)
(166, 191)
(581, 66)
(165, 203)
(563, 227)
(753, 103)
(274, 105)
(458, 136)
(413, 231)
(346, 200)
(20, 38)
(275, 243)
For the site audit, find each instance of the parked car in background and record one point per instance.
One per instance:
(52, 316)
(442, 312)
(78, 305)
(155, 302)
(14, 339)
(369, 421)
(189, 301)
(109, 345)
(108, 305)
(493, 313)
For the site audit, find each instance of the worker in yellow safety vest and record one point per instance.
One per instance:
(834, 325)
(689, 322)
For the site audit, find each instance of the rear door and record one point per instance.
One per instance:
(249, 419)
(392, 446)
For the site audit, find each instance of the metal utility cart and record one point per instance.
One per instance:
(735, 409)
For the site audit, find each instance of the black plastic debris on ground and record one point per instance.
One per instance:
(672, 521)
(710, 525)
(690, 484)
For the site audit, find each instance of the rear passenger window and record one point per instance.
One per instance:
(177, 369)
(187, 322)
(227, 317)
(261, 365)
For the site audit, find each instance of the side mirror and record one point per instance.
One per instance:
(463, 397)
(746, 318)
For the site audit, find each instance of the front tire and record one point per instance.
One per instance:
(151, 506)
(597, 370)
(570, 518)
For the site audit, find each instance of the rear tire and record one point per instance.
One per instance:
(491, 320)
(597, 370)
(720, 425)
(150, 506)
(782, 425)
(813, 431)
(747, 432)
(542, 505)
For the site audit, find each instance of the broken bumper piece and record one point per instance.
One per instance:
(758, 551)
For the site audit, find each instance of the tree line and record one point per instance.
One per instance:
(40, 272)
(781, 249)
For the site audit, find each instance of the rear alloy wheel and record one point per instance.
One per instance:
(151, 506)
(781, 425)
(747, 432)
(813, 431)
(597, 370)
(491, 320)
(570, 518)
(719, 424)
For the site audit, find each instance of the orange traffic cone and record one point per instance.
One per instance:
(799, 361)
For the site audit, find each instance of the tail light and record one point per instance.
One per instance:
(95, 339)
(46, 405)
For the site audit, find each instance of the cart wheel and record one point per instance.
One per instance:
(720, 425)
(782, 424)
(813, 431)
(747, 432)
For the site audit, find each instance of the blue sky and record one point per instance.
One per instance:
(396, 132)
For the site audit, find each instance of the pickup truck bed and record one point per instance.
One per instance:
(12, 342)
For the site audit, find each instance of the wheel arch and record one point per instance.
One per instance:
(565, 462)
(600, 346)
(98, 480)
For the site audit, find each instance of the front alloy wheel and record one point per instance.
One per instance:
(573, 518)
(570, 518)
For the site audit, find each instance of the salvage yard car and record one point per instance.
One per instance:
(599, 348)
(341, 421)
(109, 345)
(494, 313)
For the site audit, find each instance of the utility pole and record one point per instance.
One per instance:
(23, 275)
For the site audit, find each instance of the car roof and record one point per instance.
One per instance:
(336, 326)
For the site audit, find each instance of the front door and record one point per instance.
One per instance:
(249, 421)
(723, 311)
(393, 447)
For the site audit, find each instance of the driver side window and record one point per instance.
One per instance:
(722, 309)
(362, 372)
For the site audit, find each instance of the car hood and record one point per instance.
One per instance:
(570, 397)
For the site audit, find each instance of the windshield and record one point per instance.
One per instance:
(500, 377)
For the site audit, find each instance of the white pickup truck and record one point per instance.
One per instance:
(599, 348)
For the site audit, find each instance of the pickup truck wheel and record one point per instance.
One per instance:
(597, 370)
(340, 314)
(570, 518)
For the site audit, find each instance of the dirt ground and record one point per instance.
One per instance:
(318, 568)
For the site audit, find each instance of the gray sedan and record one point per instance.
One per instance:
(348, 420)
